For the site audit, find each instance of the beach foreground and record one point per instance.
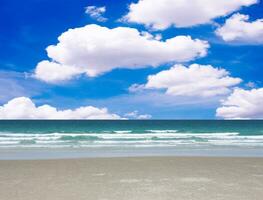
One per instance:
(147, 178)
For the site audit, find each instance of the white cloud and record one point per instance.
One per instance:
(94, 50)
(24, 108)
(135, 115)
(96, 13)
(238, 28)
(55, 72)
(251, 84)
(195, 80)
(242, 104)
(136, 88)
(146, 116)
(161, 14)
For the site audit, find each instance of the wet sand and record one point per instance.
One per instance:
(141, 178)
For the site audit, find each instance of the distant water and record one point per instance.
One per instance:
(131, 134)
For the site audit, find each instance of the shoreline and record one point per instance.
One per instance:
(132, 178)
(82, 153)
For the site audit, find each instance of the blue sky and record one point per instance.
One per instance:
(29, 27)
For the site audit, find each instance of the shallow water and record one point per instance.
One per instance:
(159, 136)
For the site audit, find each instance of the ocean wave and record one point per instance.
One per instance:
(161, 131)
(127, 138)
(94, 136)
(127, 131)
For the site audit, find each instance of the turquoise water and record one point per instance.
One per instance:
(54, 134)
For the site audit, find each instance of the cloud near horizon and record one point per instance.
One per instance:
(24, 108)
(195, 80)
(238, 28)
(135, 115)
(94, 50)
(161, 14)
(242, 104)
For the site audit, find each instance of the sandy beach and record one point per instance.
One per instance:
(148, 178)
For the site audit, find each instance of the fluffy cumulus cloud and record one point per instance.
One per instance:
(55, 72)
(238, 28)
(195, 80)
(96, 13)
(93, 50)
(24, 108)
(242, 104)
(161, 14)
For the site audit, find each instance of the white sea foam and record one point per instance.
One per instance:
(128, 131)
(127, 138)
(8, 142)
(57, 136)
(161, 131)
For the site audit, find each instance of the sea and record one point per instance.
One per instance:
(48, 139)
